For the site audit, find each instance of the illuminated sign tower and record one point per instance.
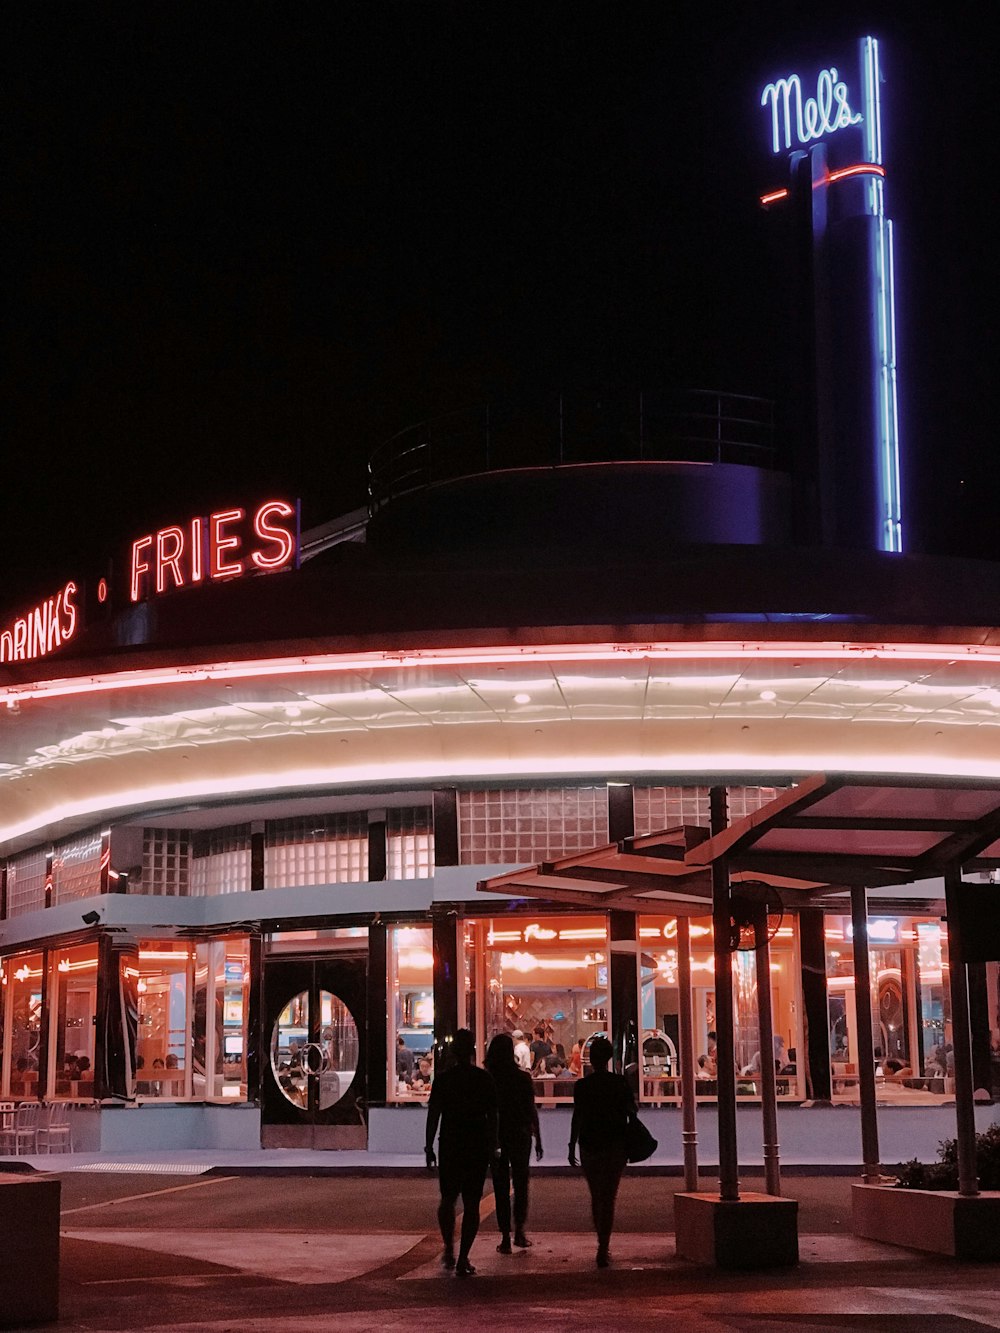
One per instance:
(829, 129)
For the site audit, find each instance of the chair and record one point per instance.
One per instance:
(57, 1128)
(6, 1119)
(25, 1127)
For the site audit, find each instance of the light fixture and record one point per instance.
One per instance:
(522, 698)
(90, 918)
(768, 695)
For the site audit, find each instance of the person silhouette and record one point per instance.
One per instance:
(518, 1118)
(464, 1102)
(602, 1107)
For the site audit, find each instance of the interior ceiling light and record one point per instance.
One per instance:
(522, 698)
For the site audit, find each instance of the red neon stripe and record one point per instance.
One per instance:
(773, 197)
(861, 169)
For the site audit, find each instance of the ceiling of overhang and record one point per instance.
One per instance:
(69, 759)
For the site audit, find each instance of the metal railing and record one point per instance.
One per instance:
(694, 426)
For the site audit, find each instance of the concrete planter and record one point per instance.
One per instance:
(29, 1250)
(939, 1221)
(754, 1231)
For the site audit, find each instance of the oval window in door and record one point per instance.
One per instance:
(340, 1048)
(289, 1050)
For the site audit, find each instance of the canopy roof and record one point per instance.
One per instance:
(866, 830)
(821, 836)
(643, 874)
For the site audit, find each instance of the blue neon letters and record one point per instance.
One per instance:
(829, 110)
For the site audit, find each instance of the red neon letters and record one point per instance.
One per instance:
(176, 557)
(46, 626)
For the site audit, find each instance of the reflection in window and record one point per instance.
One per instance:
(22, 1017)
(411, 1013)
(660, 1012)
(73, 1005)
(165, 981)
(548, 973)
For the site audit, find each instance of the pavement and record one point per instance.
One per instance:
(213, 1242)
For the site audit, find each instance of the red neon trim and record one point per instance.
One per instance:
(473, 657)
(861, 169)
(197, 551)
(773, 197)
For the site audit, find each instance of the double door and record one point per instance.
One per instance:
(313, 1085)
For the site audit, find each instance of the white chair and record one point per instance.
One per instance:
(25, 1128)
(6, 1122)
(56, 1128)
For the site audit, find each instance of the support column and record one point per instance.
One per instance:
(256, 1037)
(378, 848)
(765, 1033)
(446, 827)
(979, 1024)
(815, 1058)
(729, 1185)
(863, 1020)
(257, 855)
(444, 932)
(624, 995)
(378, 1009)
(961, 1037)
(689, 1115)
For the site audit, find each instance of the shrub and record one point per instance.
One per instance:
(943, 1174)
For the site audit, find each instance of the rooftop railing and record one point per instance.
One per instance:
(690, 426)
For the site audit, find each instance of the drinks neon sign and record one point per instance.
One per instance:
(225, 545)
(44, 628)
(825, 113)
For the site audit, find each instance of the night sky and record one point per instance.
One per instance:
(244, 244)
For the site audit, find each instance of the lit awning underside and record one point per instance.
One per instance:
(644, 874)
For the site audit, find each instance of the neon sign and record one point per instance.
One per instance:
(825, 113)
(44, 628)
(225, 545)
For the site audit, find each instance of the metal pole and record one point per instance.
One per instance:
(866, 1053)
(765, 1029)
(961, 1038)
(729, 1184)
(689, 1130)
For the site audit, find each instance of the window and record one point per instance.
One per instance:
(220, 861)
(164, 975)
(411, 1009)
(166, 855)
(911, 1016)
(72, 1007)
(22, 1017)
(658, 808)
(316, 849)
(76, 868)
(659, 1008)
(409, 843)
(26, 882)
(219, 1019)
(541, 972)
(530, 824)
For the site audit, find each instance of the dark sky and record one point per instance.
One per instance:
(243, 244)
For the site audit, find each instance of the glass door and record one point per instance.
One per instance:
(313, 1083)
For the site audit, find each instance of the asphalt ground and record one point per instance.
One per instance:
(283, 1253)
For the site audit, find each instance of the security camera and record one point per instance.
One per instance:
(90, 918)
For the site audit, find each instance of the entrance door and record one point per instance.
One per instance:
(313, 1083)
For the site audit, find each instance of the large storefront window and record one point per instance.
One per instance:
(219, 1019)
(72, 1006)
(22, 1018)
(911, 1021)
(411, 1013)
(547, 978)
(660, 1013)
(164, 986)
(192, 1008)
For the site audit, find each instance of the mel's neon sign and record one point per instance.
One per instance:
(810, 117)
(224, 545)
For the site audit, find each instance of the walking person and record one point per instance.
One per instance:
(602, 1107)
(464, 1102)
(518, 1119)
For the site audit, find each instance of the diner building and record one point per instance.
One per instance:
(259, 799)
